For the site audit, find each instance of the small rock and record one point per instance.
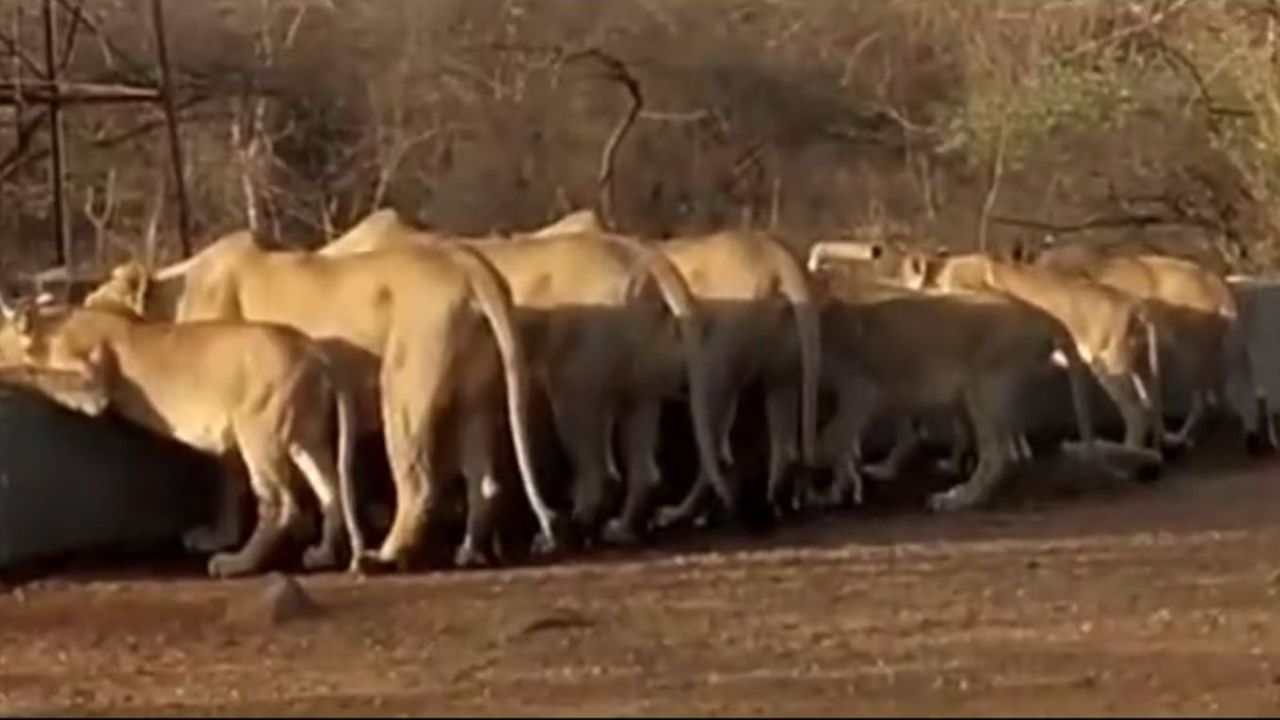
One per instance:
(280, 599)
(557, 619)
(1088, 680)
(1033, 564)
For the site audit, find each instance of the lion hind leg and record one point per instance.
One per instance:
(1182, 436)
(643, 474)
(782, 407)
(905, 442)
(722, 406)
(582, 422)
(411, 408)
(483, 489)
(318, 466)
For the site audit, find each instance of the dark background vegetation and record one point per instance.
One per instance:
(955, 122)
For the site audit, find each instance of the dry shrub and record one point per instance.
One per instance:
(1154, 122)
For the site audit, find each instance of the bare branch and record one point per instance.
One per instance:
(101, 219)
(674, 117)
(110, 51)
(44, 92)
(150, 237)
(69, 42)
(616, 71)
(12, 46)
(1155, 18)
(997, 173)
(1101, 222)
(18, 157)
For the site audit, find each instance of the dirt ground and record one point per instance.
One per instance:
(1115, 599)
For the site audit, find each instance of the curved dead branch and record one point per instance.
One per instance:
(614, 71)
(1107, 221)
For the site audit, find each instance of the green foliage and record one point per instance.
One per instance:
(1048, 100)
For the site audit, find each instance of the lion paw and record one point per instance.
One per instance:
(467, 556)
(319, 557)
(229, 565)
(669, 517)
(545, 545)
(382, 560)
(617, 532)
(952, 500)
(361, 563)
(881, 472)
(203, 540)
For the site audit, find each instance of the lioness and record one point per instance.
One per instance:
(262, 391)
(597, 313)
(762, 324)
(1192, 307)
(1111, 330)
(917, 350)
(414, 331)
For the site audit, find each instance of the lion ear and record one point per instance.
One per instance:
(21, 316)
(141, 286)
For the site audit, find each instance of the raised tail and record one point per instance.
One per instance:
(795, 285)
(495, 302)
(682, 305)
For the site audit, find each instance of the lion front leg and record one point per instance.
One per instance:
(993, 456)
(905, 443)
(278, 510)
(1126, 391)
(224, 530)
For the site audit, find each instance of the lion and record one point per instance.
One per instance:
(259, 391)
(584, 220)
(1192, 306)
(762, 324)
(1113, 332)
(596, 308)
(916, 350)
(420, 333)
(880, 261)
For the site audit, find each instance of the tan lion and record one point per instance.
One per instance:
(762, 325)
(918, 350)
(260, 391)
(422, 334)
(598, 311)
(1192, 306)
(1114, 333)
